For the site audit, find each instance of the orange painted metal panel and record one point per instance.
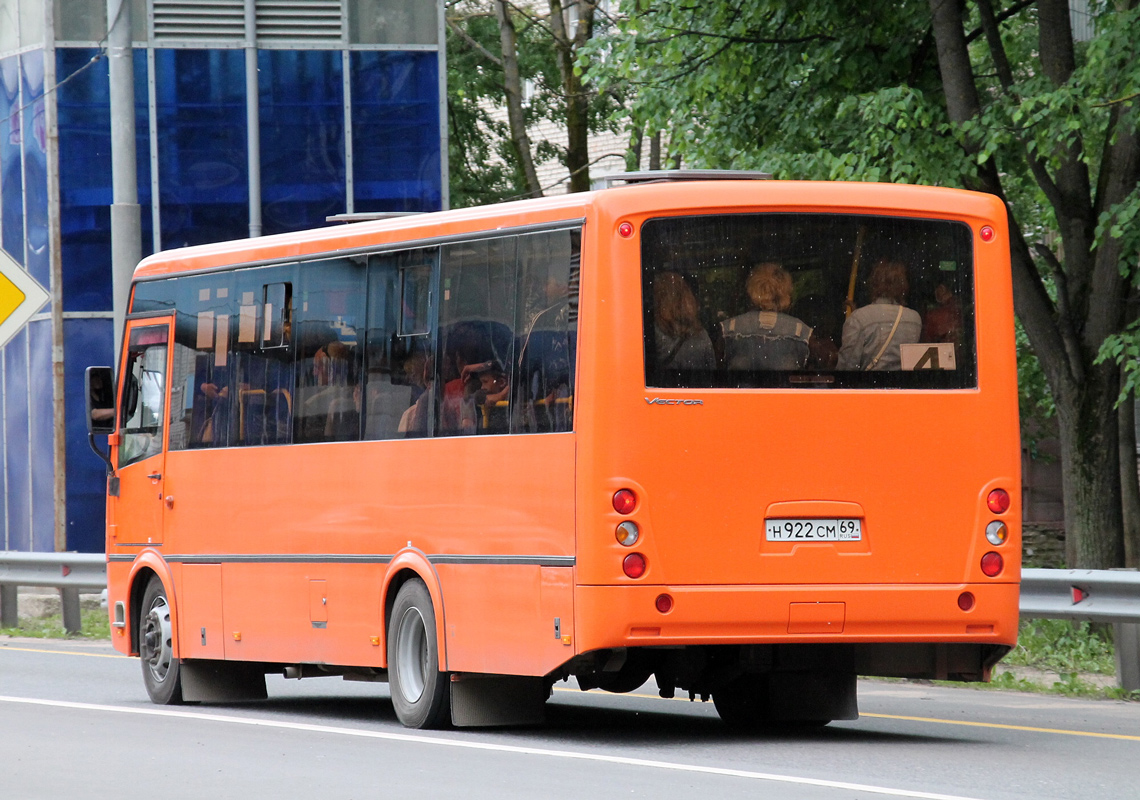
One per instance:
(625, 616)
(201, 631)
(917, 464)
(500, 618)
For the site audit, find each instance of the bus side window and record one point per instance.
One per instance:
(399, 345)
(203, 365)
(262, 360)
(329, 327)
(474, 369)
(546, 331)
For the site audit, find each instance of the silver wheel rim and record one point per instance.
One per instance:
(157, 648)
(411, 655)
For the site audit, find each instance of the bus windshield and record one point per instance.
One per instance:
(808, 300)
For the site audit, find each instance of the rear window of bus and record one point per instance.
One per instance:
(788, 300)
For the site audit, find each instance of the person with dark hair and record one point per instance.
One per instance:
(767, 337)
(873, 333)
(681, 341)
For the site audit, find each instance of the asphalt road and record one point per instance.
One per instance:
(75, 722)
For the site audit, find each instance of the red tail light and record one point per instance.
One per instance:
(624, 501)
(966, 601)
(664, 603)
(998, 501)
(634, 565)
(992, 564)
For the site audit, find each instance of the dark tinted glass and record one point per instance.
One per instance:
(262, 359)
(808, 300)
(546, 329)
(476, 336)
(328, 310)
(400, 348)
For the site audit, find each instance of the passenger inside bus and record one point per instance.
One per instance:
(873, 333)
(490, 402)
(414, 421)
(767, 338)
(943, 320)
(681, 340)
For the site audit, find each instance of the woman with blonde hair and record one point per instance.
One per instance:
(766, 338)
(680, 339)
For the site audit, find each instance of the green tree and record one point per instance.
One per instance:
(987, 95)
(520, 57)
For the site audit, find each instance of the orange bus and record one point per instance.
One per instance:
(750, 438)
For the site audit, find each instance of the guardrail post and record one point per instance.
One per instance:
(69, 601)
(1127, 636)
(9, 611)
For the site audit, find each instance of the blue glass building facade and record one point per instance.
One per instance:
(349, 118)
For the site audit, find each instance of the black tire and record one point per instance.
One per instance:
(741, 703)
(421, 694)
(162, 674)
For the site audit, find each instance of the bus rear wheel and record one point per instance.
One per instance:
(161, 670)
(420, 692)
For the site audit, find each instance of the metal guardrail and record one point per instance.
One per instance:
(1092, 595)
(1081, 594)
(1102, 595)
(71, 573)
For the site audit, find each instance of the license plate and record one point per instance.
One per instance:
(813, 530)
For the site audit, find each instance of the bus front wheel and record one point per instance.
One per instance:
(161, 670)
(420, 692)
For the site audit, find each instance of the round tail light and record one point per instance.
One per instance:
(634, 565)
(987, 233)
(997, 533)
(627, 533)
(998, 501)
(664, 603)
(992, 564)
(624, 501)
(966, 601)
(625, 230)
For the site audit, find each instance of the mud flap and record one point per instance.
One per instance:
(490, 700)
(807, 696)
(222, 681)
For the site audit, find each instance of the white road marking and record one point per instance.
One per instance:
(412, 738)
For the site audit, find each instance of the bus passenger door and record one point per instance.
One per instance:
(138, 507)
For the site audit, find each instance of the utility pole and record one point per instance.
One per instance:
(126, 228)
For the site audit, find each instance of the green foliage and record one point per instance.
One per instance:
(484, 166)
(1064, 647)
(481, 167)
(94, 625)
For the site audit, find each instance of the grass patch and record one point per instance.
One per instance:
(95, 625)
(1064, 647)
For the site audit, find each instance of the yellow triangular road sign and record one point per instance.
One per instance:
(20, 297)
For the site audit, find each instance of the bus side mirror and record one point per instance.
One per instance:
(100, 392)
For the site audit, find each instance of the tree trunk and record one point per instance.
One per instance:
(1129, 481)
(1090, 464)
(655, 151)
(1066, 335)
(633, 154)
(577, 102)
(512, 86)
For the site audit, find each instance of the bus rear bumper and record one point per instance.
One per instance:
(628, 616)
